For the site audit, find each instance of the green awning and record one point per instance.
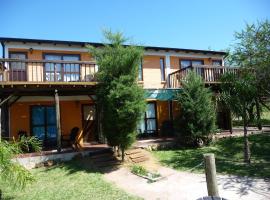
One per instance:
(161, 94)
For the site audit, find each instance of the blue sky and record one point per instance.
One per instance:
(200, 24)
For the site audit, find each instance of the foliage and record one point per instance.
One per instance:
(12, 173)
(239, 93)
(252, 50)
(120, 98)
(139, 170)
(197, 119)
(29, 144)
(228, 154)
(72, 180)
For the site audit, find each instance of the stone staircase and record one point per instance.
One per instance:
(104, 160)
(136, 155)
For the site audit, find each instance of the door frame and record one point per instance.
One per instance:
(45, 123)
(156, 117)
(96, 117)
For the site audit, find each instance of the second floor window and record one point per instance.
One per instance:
(217, 62)
(189, 63)
(66, 72)
(140, 73)
(162, 69)
(17, 69)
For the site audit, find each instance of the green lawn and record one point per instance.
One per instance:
(229, 157)
(69, 180)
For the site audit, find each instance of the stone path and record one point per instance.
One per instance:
(189, 186)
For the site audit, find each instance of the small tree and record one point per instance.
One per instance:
(197, 119)
(118, 95)
(239, 94)
(252, 50)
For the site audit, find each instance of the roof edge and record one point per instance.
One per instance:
(80, 43)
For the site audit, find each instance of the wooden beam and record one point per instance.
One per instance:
(6, 99)
(14, 101)
(58, 121)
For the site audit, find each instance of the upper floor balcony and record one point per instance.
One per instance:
(210, 74)
(24, 71)
(63, 72)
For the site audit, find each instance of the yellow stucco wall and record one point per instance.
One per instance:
(70, 111)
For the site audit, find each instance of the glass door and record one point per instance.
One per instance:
(148, 125)
(43, 124)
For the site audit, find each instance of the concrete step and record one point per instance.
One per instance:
(135, 151)
(141, 159)
(138, 155)
(106, 154)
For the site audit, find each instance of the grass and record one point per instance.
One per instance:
(71, 180)
(265, 119)
(229, 157)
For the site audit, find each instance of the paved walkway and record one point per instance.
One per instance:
(189, 186)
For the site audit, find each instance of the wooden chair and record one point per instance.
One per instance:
(71, 139)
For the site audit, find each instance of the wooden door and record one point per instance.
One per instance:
(89, 122)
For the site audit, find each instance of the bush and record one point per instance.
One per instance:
(29, 144)
(197, 119)
(139, 170)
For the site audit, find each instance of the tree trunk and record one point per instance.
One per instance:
(123, 154)
(118, 151)
(258, 113)
(246, 142)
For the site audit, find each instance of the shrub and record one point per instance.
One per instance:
(29, 144)
(197, 119)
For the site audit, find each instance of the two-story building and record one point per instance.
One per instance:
(47, 87)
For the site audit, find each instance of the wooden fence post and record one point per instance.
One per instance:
(210, 173)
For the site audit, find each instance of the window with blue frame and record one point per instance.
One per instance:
(43, 124)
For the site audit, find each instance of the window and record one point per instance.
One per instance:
(189, 63)
(43, 124)
(17, 69)
(148, 124)
(217, 62)
(62, 72)
(140, 74)
(162, 69)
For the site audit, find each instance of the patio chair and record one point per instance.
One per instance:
(71, 139)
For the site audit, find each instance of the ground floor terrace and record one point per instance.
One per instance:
(63, 115)
(60, 113)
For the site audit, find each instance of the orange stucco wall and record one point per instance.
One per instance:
(71, 115)
(152, 72)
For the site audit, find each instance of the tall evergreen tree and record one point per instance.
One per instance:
(197, 114)
(119, 96)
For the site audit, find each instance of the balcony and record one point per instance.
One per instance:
(210, 74)
(47, 72)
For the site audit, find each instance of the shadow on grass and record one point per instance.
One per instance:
(229, 157)
(84, 164)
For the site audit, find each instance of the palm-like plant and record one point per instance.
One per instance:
(11, 172)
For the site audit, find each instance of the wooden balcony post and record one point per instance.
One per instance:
(58, 123)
